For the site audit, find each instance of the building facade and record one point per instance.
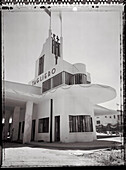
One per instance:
(57, 105)
(104, 116)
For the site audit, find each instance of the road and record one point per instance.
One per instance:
(18, 155)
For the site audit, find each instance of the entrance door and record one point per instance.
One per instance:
(57, 128)
(19, 130)
(33, 131)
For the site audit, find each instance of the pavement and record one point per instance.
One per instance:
(114, 142)
(96, 144)
(43, 154)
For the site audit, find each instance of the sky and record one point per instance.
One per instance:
(89, 37)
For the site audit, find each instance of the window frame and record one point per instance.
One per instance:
(71, 80)
(80, 123)
(98, 122)
(43, 125)
(41, 65)
(78, 80)
(61, 80)
(46, 89)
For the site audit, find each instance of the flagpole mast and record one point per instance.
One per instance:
(61, 24)
(50, 21)
(49, 14)
(61, 38)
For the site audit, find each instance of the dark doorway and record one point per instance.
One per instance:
(33, 131)
(57, 128)
(19, 130)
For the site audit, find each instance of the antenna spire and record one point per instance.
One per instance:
(49, 14)
(60, 16)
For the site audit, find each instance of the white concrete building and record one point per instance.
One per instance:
(104, 116)
(58, 104)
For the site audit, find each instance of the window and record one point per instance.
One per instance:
(98, 122)
(85, 79)
(81, 123)
(69, 78)
(114, 116)
(80, 79)
(46, 85)
(41, 65)
(43, 126)
(57, 80)
(55, 48)
(110, 117)
(105, 116)
(53, 82)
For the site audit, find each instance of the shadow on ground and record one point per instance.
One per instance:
(96, 144)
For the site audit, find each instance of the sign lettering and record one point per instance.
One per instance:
(44, 76)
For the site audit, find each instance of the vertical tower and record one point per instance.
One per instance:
(52, 52)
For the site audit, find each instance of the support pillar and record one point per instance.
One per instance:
(28, 122)
(15, 124)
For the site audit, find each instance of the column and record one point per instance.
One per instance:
(15, 124)
(28, 122)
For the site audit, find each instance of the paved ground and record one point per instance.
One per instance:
(36, 157)
(59, 154)
(97, 144)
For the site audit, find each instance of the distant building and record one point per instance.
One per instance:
(107, 120)
(57, 105)
(104, 116)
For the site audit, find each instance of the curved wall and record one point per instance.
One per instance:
(76, 105)
(65, 103)
(79, 68)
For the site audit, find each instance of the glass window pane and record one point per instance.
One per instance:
(46, 85)
(53, 46)
(58, 49)
(82, 123)
(43, 126)
(88, 121)
(70, 123)
(41, 65)
(84, 79)
(57, 80)
(80, 79)
(69, 78)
